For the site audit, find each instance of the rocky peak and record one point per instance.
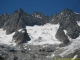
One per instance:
(67, 12)
(67, 20)
(39, 15)
(19, 11)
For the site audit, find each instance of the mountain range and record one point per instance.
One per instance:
(36, 36)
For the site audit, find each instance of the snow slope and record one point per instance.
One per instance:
(41, 35)
(75, 45)
(6, 39)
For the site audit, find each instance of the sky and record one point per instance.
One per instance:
(47, 7)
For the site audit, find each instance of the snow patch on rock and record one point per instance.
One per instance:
(20, 30)
(78, 22)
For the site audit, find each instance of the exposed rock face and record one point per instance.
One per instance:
(73, 31)
(19, 19)
(67, 20)
(21, 36)
(60, 35)
(13, 21)
(41, 18)
(3, 19)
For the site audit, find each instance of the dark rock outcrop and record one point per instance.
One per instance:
(21, 36)
(60, 35)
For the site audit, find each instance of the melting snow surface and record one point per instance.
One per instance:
(41, 35)
(6, 39)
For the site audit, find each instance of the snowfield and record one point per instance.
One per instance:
(6, 39)
(41, 35)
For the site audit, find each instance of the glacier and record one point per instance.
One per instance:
(42, 35)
